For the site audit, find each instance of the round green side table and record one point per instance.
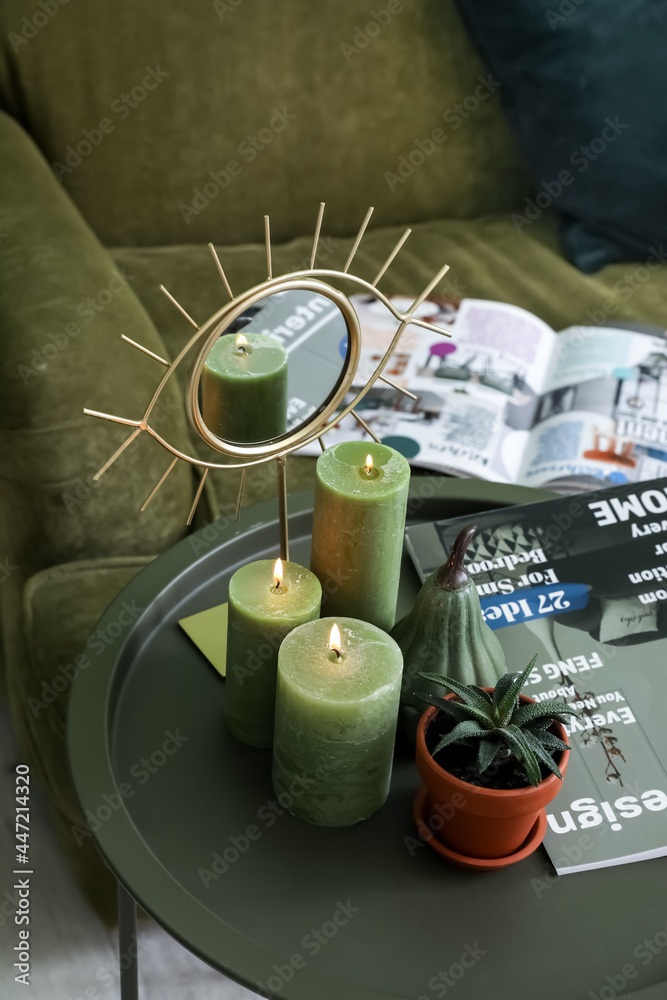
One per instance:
(186, 818)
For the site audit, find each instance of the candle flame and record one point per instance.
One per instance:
(369, 464)
(241, 342)
(334, 641)
(278, 573)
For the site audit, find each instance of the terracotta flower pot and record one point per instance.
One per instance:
(482, 822)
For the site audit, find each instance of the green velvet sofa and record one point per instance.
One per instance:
(131, 134)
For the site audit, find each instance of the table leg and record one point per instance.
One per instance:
(127, 945)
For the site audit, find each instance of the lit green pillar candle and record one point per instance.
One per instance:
(358, 527)
(266, 601)
(336, 707)
(244, 388)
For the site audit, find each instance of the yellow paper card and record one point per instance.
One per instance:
(208, 631)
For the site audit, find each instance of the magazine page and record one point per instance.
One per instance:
(476, 393)
(582, 583)
(603, 416)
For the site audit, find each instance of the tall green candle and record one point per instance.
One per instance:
(336, 708)
(266, 601)
(244, 388)
(358, 526)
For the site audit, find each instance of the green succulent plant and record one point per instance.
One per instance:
(500, 725)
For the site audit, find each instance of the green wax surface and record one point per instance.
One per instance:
(244, 392)
(259, 620)
(358, 526)
(336, 721)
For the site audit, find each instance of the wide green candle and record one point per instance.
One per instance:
(263, 609)
(244, 388)
(335, 720)
(358, 527)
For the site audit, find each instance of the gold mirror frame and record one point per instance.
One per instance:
(308, 430)
(320, 424)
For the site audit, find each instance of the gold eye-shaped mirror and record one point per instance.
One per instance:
(271, 367)
(269, 371)
(274, 368)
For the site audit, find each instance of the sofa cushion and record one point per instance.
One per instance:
(60, 609)
(174, 123)
(489, 257)
(580, 82)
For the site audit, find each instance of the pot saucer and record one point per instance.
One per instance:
(530, 844)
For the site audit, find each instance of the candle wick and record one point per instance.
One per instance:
(339, 655)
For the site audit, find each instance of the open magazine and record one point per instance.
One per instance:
(583, 584)
(508, 399)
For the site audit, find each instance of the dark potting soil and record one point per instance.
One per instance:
(460, 760)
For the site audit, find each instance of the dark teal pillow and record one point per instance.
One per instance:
(584, 83)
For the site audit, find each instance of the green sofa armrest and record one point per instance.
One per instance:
(63, 307)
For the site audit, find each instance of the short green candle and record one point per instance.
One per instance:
(261, 614)
(336, 720)
(244, 388)
(358, 527)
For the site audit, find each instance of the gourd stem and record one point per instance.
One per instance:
(453, 575)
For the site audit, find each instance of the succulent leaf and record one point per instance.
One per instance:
(438, 702)
(485, 694)
(462, 730)
(501, 687)
(509, 699)
(515, 739)
(547, 739)
(469, 693)
(541, 752)
(526, 714)
(487, 751)
(454, 708)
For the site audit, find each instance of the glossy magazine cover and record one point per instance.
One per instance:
(582, 583)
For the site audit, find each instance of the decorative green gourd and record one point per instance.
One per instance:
(446, 634)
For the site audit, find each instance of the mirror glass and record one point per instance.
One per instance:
(274, 367)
